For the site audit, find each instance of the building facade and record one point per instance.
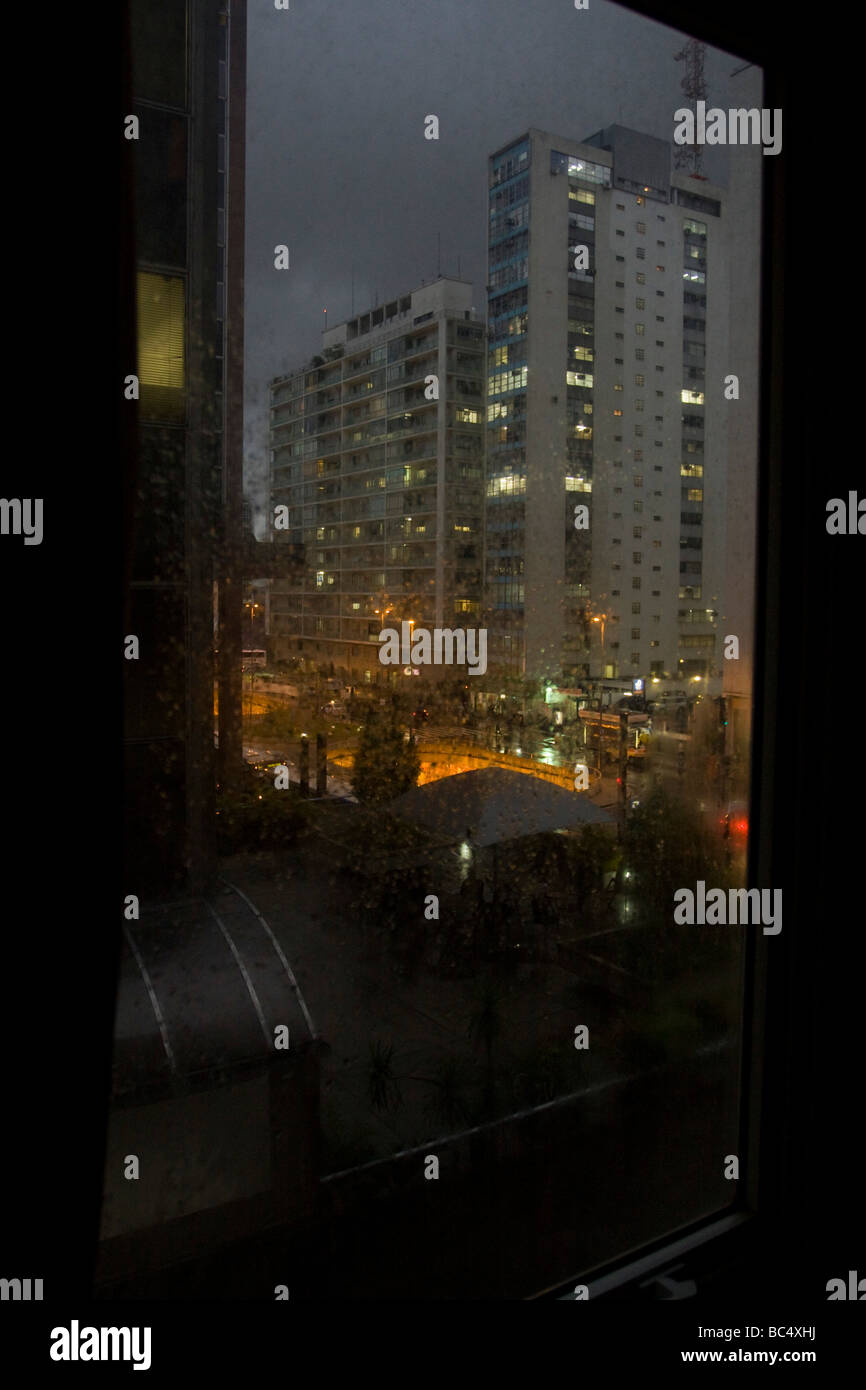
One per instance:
(184, 478)
(607, 456)
(376, 454)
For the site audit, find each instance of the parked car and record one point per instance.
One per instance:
(334, 709)
(635, 704)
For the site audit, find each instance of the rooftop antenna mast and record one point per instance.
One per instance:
(693, 84)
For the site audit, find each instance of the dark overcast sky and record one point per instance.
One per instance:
(338, 168)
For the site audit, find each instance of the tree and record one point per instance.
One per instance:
(383, 1085)
(386, 765)
(664, 847)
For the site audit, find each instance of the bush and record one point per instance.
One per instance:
(255, 816)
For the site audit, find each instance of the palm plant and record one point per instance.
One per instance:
(383, 1086)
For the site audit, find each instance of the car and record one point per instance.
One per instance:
(419, 716)
(635, 704)
(334, 709)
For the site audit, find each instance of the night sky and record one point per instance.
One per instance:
(338, 168)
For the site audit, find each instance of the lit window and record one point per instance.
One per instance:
(504, 485)
(160, 301)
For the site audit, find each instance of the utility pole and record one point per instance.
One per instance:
(600, 724)
(723, 749)
(321, 765)
(622, 779)
(600, 618)
(304, 766)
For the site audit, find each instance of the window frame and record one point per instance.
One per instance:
(770, 1117)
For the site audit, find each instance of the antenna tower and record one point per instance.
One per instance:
(693, 84)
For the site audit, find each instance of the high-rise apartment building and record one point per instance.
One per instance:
(609, 331)
(377, 455)
(184, 481)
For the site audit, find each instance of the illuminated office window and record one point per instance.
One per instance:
(160, 303)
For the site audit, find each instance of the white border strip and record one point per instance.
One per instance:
(153, 999)
(279, 950)
(242, 968)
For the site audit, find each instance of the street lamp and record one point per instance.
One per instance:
(600, 618)
(383, 612)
